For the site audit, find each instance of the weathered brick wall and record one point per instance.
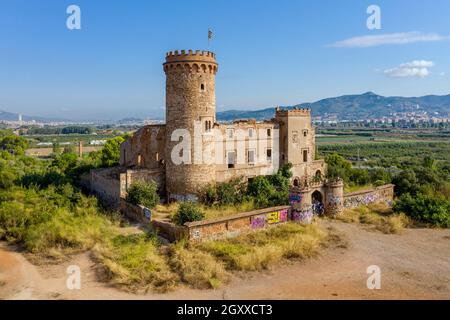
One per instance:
(136, 213)
(383, 194)
(105, 184)
(235, 225)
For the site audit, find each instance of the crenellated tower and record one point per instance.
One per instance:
(190, 105)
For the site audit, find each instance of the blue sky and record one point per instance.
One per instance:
(270, 52)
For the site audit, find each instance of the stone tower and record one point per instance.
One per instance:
(190, 106)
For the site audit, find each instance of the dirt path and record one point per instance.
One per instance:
(414, 265)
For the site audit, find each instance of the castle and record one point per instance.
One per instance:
(244, 148)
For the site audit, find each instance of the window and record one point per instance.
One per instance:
(251, 156)
(305, 155)
(305, 133)
(269, 132)
(296, 182)
(269, 154)
(230, 133)
(250, 133)
(208, 126)
(157, 156)
(139, 160)
(231, 159)
(202, 87)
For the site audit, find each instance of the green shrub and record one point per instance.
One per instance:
(144, 194)
(188, 212)
(430, 208)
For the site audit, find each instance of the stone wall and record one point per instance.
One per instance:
(136, 213)
(106, 185)
(384, 194)
(235, 225)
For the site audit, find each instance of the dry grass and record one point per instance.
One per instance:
(198, 269)
(350, 189)
(211, 212)
(137, 263)
(134, 262)
(378, 216)
(261, 250)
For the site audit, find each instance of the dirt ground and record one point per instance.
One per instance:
(414, 265)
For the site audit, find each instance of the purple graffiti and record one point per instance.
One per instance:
(259, 222)
(304, 217)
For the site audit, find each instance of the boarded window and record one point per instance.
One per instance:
(251, 156)
(231, 159)
(269, 154)
(250, 132)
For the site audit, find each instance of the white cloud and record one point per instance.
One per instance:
(416, 68)
(391, 38)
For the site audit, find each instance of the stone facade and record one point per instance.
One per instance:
(256, 148)
(213, 152)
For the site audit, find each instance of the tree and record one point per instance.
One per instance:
(405, 182)
(188, 212)
(12, 144)
(144, 194)
(110, 153)
(431, 208)
(65, 161)
(338, 167)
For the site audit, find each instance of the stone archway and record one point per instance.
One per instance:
(317, 203)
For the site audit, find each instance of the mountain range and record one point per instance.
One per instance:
(347, 107)
(355, 107)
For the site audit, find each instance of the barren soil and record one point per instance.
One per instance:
(414, 265)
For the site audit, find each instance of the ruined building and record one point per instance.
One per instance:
(245, 148)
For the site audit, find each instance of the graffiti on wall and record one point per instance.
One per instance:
(277, 217)
(304, 216)
(361, 200)
(295, 198)
(274, 217)
(258, 222)
(335, 201)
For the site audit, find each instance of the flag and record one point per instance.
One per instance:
(210, 35)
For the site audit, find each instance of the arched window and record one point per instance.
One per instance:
(318, 174)
(202, 87)
(296, 182)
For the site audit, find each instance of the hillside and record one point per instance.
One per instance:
(353, 107)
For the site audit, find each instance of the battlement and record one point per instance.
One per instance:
(192, 61)
(293, 112)
(190, 56)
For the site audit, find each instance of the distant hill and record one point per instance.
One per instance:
(354, 107)
(10, 116)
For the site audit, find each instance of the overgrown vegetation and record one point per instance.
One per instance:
(261, 192)
(42, 209)
(261, 250)
(187, 212)
(420, 172)
(378, 217)
(144, 194)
